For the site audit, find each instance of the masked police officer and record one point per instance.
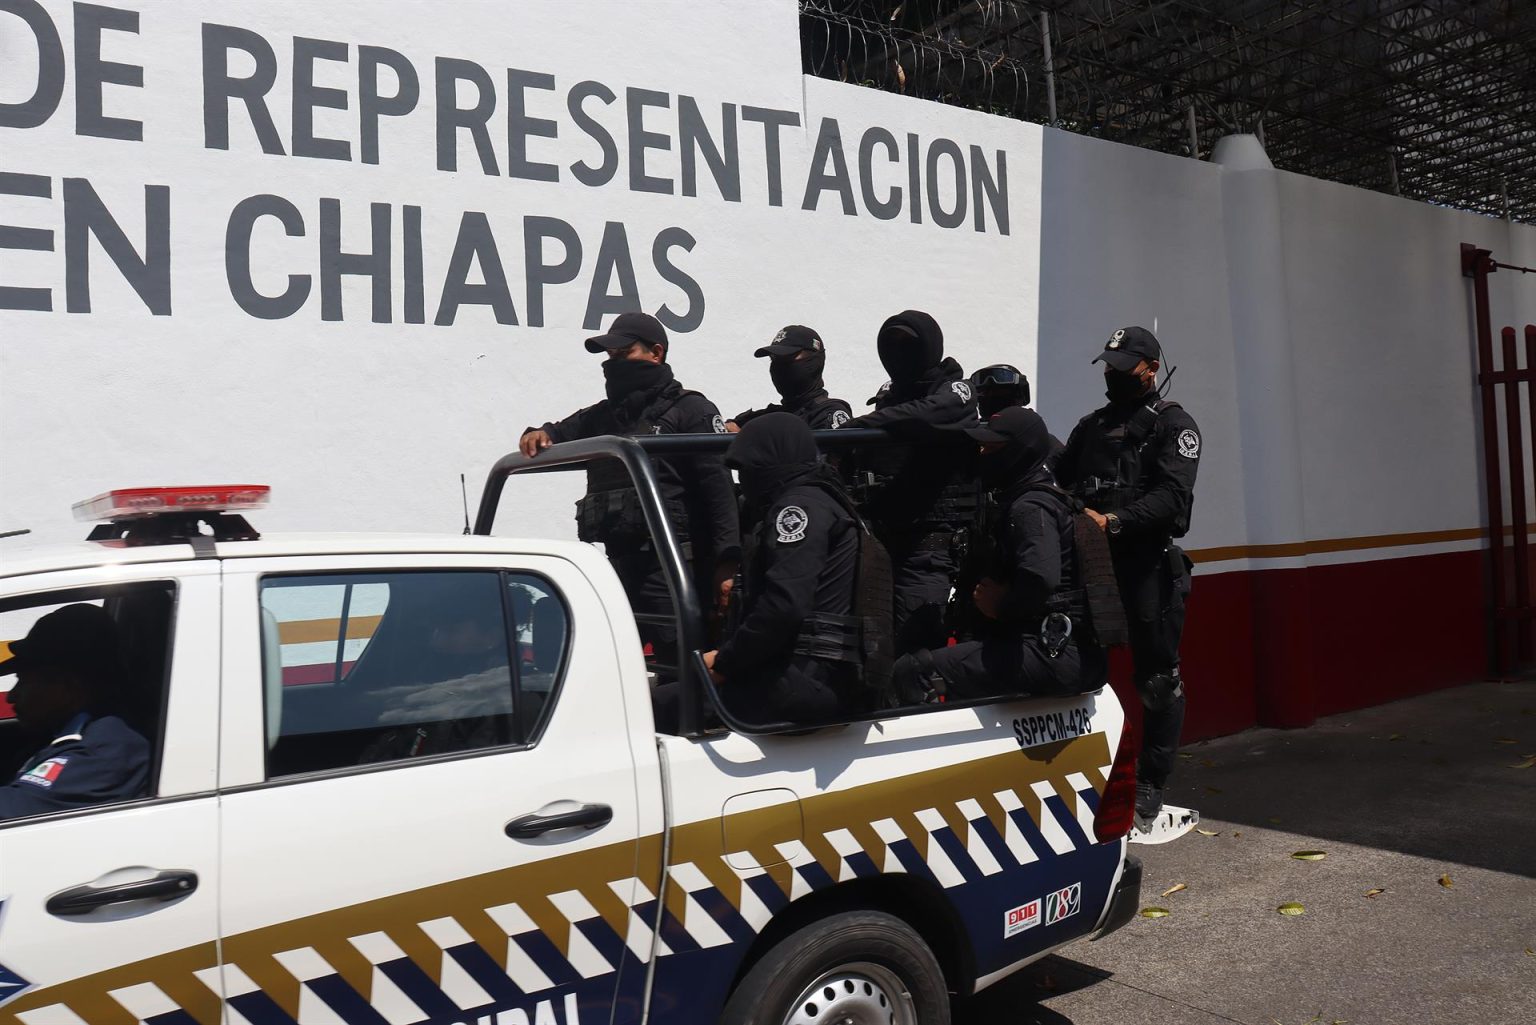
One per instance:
(921, 494)
(795, 652)
(997, 387)
(1001, 386)
(797, 358)
(1133, 463)
(1041, 638)
(67, 675)
(643, 398)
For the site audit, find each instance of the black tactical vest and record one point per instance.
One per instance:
(1112, 460)
(610, 511)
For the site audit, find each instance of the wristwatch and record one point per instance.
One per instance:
(1112, 524)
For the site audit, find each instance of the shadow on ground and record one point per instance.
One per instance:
(1017, 999)
(1432, 776)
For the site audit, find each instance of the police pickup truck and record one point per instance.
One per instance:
(401, 780)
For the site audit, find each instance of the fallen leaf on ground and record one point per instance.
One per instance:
(1274, 821)
(1291, 908)
(1529, 952)
(1175, 888)
(1396, 736)
(1235, 835)
(1505, 740)
(1309, 855)
(1377, 892)
(1154, 912)
(1207, 832)
(1213, 790)
(1445, 881)
(1185, 755)
(1528, 763)
(1207, 763)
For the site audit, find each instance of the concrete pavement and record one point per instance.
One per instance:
(1396, 797)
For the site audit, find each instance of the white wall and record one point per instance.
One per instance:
(1130, 236)
(1321, 332)
(363, 425)
(1362, 294)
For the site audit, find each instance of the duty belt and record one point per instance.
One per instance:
(1105, 492)
(833, 638)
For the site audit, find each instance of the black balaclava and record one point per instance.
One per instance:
(631, 384)
(993, 399)
(797, 379)
(772, 452)
(909, 344)
(1021, 460)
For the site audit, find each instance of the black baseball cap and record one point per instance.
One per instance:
(1128, 347)
(1016, 423)
(74, 637)
(626, 330)
(790, 340)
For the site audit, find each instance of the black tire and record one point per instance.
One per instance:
(770, 993)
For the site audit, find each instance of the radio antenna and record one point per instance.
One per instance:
(464, 493)
(1162, 389)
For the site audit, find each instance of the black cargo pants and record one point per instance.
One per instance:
(922, 575)
(1154, 583)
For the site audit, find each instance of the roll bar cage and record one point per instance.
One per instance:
(636, 454)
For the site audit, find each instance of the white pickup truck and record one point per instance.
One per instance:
(404, 780)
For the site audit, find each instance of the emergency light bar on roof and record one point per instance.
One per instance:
(154, 516)
(131, 503)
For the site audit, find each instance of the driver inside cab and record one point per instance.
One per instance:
(67, 682)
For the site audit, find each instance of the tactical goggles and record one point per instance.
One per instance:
(999, 377)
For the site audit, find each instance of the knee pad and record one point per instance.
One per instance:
(1159, 692)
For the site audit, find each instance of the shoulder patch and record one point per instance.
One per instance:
(718, 423)
(962, 389)
(45, 773)
(839, 418)
(791, 524)
(1189, 443)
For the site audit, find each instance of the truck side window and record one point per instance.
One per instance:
(543, 640)
(363, 669)
(109, 647)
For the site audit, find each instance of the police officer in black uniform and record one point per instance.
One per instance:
(67, 675)
(1133, 463)
(921, 494)
(795, 652)
(643, 398)
(797, 358)
(1040, 641)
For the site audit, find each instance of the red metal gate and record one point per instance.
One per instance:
(1510, 609)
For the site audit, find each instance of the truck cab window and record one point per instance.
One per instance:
(84, 674)
(374, 668)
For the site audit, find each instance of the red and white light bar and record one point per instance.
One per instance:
(134, 503)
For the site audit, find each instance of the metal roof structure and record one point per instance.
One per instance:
(1430, 99)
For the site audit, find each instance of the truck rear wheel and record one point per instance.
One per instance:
(857, 968)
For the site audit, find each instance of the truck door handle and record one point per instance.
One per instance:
(588, 817)
(170, 884)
